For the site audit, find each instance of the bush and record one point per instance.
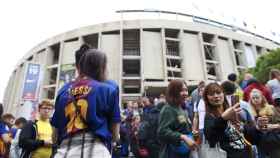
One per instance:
(265, 63)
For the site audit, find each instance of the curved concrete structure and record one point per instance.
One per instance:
(143, 55)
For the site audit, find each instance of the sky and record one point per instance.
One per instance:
(24, 24)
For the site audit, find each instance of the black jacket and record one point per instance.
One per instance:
(270, 143)
(214, 129)
(27, 139)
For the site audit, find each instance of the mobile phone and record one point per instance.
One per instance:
(235, 99)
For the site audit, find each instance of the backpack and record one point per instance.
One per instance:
(29, 131)
(148, 127)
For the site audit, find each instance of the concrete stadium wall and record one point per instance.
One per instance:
(160, 50)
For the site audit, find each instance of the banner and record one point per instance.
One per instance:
(30, 86)
(28, 110)
(67, 74)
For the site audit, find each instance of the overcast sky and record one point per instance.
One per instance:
(24, 24)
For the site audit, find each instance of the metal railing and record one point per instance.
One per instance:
(172, 52)
(131, 51)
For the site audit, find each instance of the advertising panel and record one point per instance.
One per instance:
(31, 82)
(67, 74)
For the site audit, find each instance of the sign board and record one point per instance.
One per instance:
(67, 74)
(31, 82)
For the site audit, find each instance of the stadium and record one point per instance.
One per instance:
(143, 55)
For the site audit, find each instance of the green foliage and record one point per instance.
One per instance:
(265, 63)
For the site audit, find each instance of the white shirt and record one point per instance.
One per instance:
(274, 85)
(15, 150)
(200, 109)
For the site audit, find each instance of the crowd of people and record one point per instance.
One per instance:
(237, 119)
(242, 121)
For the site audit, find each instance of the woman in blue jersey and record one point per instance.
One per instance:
(87, 114)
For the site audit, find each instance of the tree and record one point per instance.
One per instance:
(265, 63)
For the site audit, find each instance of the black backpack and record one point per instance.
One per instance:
(148, 127)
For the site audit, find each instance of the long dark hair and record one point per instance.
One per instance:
(93, 64)
(212, 88)
(80, 52)
(173, 91)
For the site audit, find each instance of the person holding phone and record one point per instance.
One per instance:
(245, 116)
(218, 127)
(268, 121)
(260, 108)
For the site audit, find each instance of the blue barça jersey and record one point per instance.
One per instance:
(4, 129)
(98, 103)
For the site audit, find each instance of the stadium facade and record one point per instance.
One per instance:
(143, 55)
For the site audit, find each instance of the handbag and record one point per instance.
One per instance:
(206, 152)
(248, 145)
(181, 149)
(143, 152)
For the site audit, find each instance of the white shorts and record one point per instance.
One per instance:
(92, 148)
